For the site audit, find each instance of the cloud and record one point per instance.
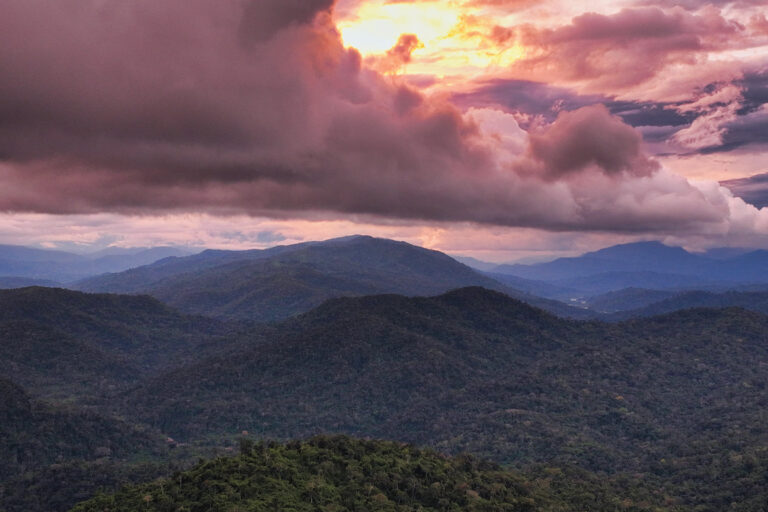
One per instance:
(263, 19)
(717, 109)
(695, 5)
(257, 108)
(622, 51)
(538, 100)
(759, 23)
(398, 56)
(753, 189)
(589, 138)
(748, 129)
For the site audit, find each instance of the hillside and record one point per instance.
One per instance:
(342, 474)
(277, 283)
(655, 400)
(634, 257)
(35, 435)
(476, 371)
(54, 456)
(364, 362)
(59, 343)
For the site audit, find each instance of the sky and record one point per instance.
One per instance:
(500, 129)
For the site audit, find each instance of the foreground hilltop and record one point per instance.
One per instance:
(343, 474)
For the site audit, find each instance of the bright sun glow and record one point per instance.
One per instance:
(376, 27)
(449, 34)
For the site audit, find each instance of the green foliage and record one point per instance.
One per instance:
(34, 435)
(479, 372)
(342, 474)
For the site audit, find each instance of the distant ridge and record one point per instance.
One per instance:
(44, 267)
(752, 301)
(647, 265)
(273, 284)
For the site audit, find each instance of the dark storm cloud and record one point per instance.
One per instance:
(748, 129)
(753, 190)
(755, 90)
(541, 99)
(262, 19)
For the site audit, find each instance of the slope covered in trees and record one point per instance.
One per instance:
(476, 371)
(673, 405)
(59, 343)
(34, 435)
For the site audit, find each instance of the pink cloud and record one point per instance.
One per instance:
(624, 50)
(589, 137)
(256, 107)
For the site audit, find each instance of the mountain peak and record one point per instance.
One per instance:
(639, 250)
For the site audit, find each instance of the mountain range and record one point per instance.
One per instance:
(174, 360)
(658, 400)
(648, 265)
(517, 383)
(274, 284)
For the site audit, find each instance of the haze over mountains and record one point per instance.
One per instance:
(276, 283)
(273, 284)
(649, 265)
(25, 266)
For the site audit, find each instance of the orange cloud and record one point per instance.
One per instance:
(397, 56)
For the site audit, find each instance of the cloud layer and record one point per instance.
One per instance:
(257, 107)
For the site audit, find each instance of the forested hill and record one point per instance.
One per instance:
(476, 371)
(660, 400)
(60, 343)
(34, 435)
(341, 474)
(277, 283)
(381, 365)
